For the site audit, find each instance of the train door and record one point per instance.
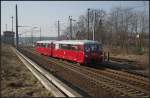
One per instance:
(87, 53)
(73, 55)
(56, 50)
(45, 48)
(41, 48)
(52, 49)
(80, 53)
(64, 51)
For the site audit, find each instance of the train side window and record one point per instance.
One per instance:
(38, 45)
(46, 45)
(60, 46)
(49, 45)
(53, 45)
(93, 47)
(64, 46)
(56, 46)
(68, 47)
(43, 44)
(74, 47)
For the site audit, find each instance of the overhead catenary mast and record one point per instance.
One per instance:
(58, 30)
(88, 23)
(94, 25)
(17, 39)
(70, 19)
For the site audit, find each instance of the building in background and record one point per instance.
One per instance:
(8, 37)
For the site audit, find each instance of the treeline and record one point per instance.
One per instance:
(120, 27)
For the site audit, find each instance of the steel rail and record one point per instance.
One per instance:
(117, 85)
(121, 87)
(50, 82)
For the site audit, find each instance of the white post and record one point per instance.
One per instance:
(94, 26)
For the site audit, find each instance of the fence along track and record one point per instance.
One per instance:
(106, 82)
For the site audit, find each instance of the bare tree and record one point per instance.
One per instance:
(117, 28)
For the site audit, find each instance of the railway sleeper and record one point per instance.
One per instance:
(112, 87)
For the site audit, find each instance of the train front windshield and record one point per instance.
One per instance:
(93, 48)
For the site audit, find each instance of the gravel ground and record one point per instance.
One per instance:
(16, 79)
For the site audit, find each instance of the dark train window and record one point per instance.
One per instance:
(92, 47)
(38, 45)
(87, 48)
(46, 45)
(49, 45)
(71, 47)
(43, 45)
(64, 46)
(74, 47)
(53, 45)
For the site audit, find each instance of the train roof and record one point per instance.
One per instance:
(46, 41)
(77, 42)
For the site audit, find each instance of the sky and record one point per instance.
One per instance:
(45, 14)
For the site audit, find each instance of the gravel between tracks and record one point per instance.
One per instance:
(58, 71)
(76, 80)
(16, 79)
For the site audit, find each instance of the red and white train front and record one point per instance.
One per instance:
(93, 52)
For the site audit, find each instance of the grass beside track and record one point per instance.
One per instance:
(16, 79)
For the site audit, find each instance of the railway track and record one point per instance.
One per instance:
(56, 87)
(135, 80)
(110, 80)
(121, 60)
(136, 70)
(115, 78)
(121, 63)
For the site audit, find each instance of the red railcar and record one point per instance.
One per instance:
(45, 47)
(81, 51)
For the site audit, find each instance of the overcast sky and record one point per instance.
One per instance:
(45, 14)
